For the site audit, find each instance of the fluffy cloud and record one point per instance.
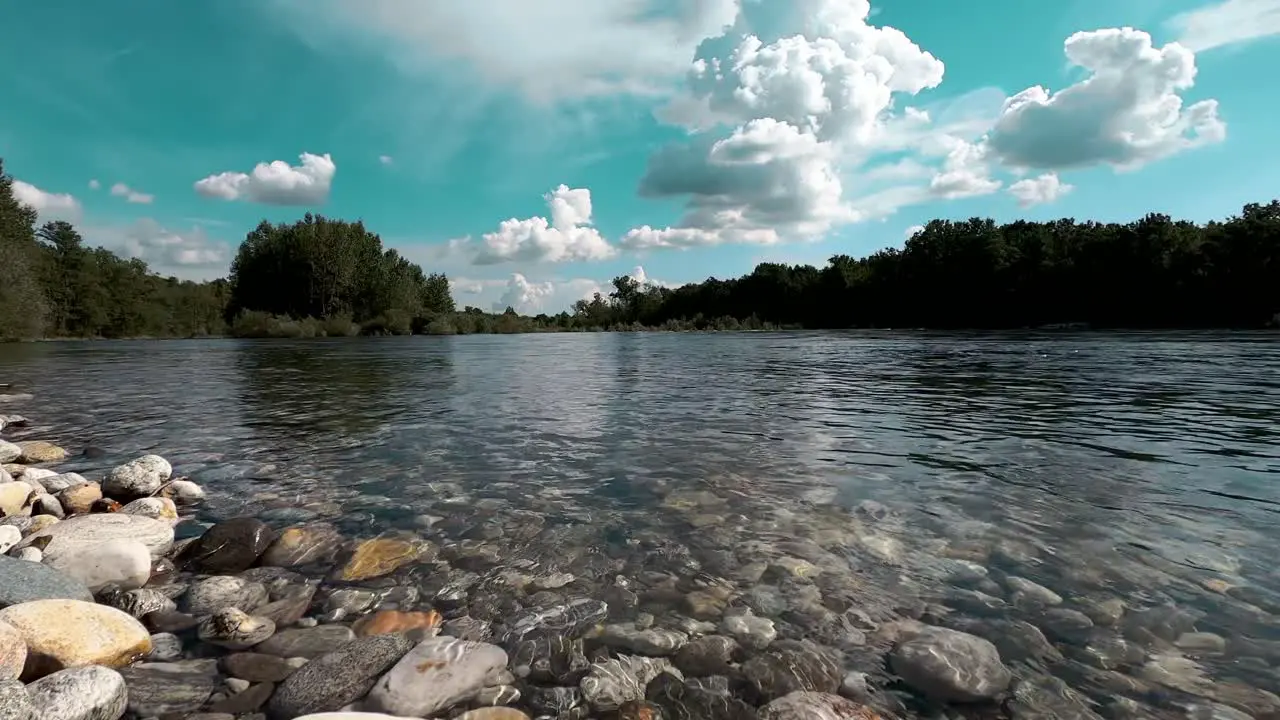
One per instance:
(94, 184)
(797, 102)
(530, 297)
(131, 195)
(189, 254)
(275, 183)
(1226, 23)
(49, 205)
(386, 159)
(567, 236)
(1126, 113)
(544, 49)
(911, 231)
(1038, 190)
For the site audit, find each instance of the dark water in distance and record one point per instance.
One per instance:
(1156, 453)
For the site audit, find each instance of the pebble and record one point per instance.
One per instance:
(13, 652)
(83, 693)
(749, 630)
(951, 666)
(303, 545)
(164, 688)
(47, 505)
(121, 562)
(138, 603)
(680, 700)
(613, 683)
(436, 675)
(137, 478)
(55, 483)
(29, 554)
(9, 452)
(79, 499)
(234, 629)
(89, 530)
(788, 666)
(13, 498)
(223, 591)
(156, 508)
(182, 492)
(245, 698)
(307, 642)
(231, 546)
(336, 679)
(493, 713)
(62, 634)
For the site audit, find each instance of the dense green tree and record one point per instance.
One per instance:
(22, 302)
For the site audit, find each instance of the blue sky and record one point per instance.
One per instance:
(534, 149)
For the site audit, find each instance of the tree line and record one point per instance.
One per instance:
(324, 277)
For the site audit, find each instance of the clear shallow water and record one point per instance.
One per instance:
(1133, 466)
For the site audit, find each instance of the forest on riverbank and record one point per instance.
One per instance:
(327, 277)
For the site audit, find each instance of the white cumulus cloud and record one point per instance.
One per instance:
(49, 205)
(1226, 23)
(188, 254)
(275, 183)
(131, 195)
(567, 236)
(1045, 188)
(1126, 113)
(94, 184)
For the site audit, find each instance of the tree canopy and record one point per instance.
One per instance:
(322, 276)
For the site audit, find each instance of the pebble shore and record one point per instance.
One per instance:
(118, 601)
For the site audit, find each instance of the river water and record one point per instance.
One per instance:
(1143, 468)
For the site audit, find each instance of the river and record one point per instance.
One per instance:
(1143, 466)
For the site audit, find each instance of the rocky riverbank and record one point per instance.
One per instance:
(120, 597)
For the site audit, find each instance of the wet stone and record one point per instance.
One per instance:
(165, 647)
(169, 621)
(436, 675)
(61, 634)
(467, 628)
(570, 619)
(257, 667)
(709, 655)
(951, 666)
(137, 603)
(656, 642)
(678, 700)
(249, 700)
(789, 666)
(290, 607)
(425, 623)
(231, 546)
(234, 629)
(162, 688)
(222, 591)
(816, 706)
(335, 679)
(556, 702)
(1066, 625)
(378, 557)
(304, 545)
(1044, 697)
(749, 630)
(1016, 640)
(549, 657)
(613, 683)
(1026, 592)
(307, 642)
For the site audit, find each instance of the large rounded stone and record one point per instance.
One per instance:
(13, 652)
(79, 499)
(120, 562)
(790, 666)
(303, 546)
(337, 679)
(156, 508)
(436, 675)
(15, 703)
(83, 693)
(63, 634)
(157, 689)
(40, 451)
(378, 557)
(137, 478)
(13, 498)
(231, 546)
(9, 452)
(951, 666)
(10, 535)
(257, 667)
(53, 482)
(394, 621)
(708, 655)
(22, 581)
(88, 530)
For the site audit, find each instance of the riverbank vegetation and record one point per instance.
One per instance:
(327, 277)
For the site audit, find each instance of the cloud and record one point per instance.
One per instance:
(1226, 23)
(275, 183)
(49, 206)
(796, 103)
(386, 159)
(911, 231)
(94, 184)
(546, 50)
(567, 236)
(131, 195)
(190, 254)
(1038, 190)
(530, 297)
(1126, 113)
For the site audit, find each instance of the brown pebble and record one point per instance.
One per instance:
(394, 621)
(245, 702)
